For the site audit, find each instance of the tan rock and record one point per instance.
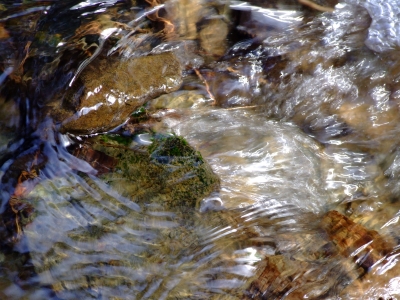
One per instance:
(213, 37)
(184, 15)
(375, 126)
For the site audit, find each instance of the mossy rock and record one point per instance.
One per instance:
(138, 218)
(173, 150)
(169, 171)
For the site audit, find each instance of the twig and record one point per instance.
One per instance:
(315, 6)
(207, 86)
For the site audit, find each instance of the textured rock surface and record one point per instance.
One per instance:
(108, 91)
(134, 220)
(346, 255)
(171, 172)
(353, 240)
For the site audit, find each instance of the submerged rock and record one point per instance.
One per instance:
(134, 220)
(169, 170)
(366, 247)
(109, 91)
(341, 255)
(258, 159)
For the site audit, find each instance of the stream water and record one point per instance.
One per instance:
(296, 111)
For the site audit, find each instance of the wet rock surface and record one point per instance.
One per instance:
(171, 168)
(153, 222)
(108, 92)
(348, 255)
(150, 191)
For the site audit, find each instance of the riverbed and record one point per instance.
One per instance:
(199, 149)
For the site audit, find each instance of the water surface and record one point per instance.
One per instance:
(296, 112)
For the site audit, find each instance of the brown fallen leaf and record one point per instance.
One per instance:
(366, 246)
(100, 161)
(3, 33)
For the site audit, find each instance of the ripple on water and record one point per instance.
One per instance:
(258, 159)
(90, 239)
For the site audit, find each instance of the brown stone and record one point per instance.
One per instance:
(280, 278)
(109, 91)
(354, 240)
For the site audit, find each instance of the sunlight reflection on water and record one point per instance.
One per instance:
(258, 159)
(333, 145)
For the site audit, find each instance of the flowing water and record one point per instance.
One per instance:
(291, 189)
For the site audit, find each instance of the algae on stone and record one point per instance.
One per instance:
(169, 171)
(125, 229)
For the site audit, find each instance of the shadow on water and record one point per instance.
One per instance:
(199, 150)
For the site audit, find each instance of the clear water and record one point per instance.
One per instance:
(296, 112)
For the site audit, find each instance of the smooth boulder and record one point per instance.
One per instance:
(109, 90)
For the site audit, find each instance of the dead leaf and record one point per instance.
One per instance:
(3, 33)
